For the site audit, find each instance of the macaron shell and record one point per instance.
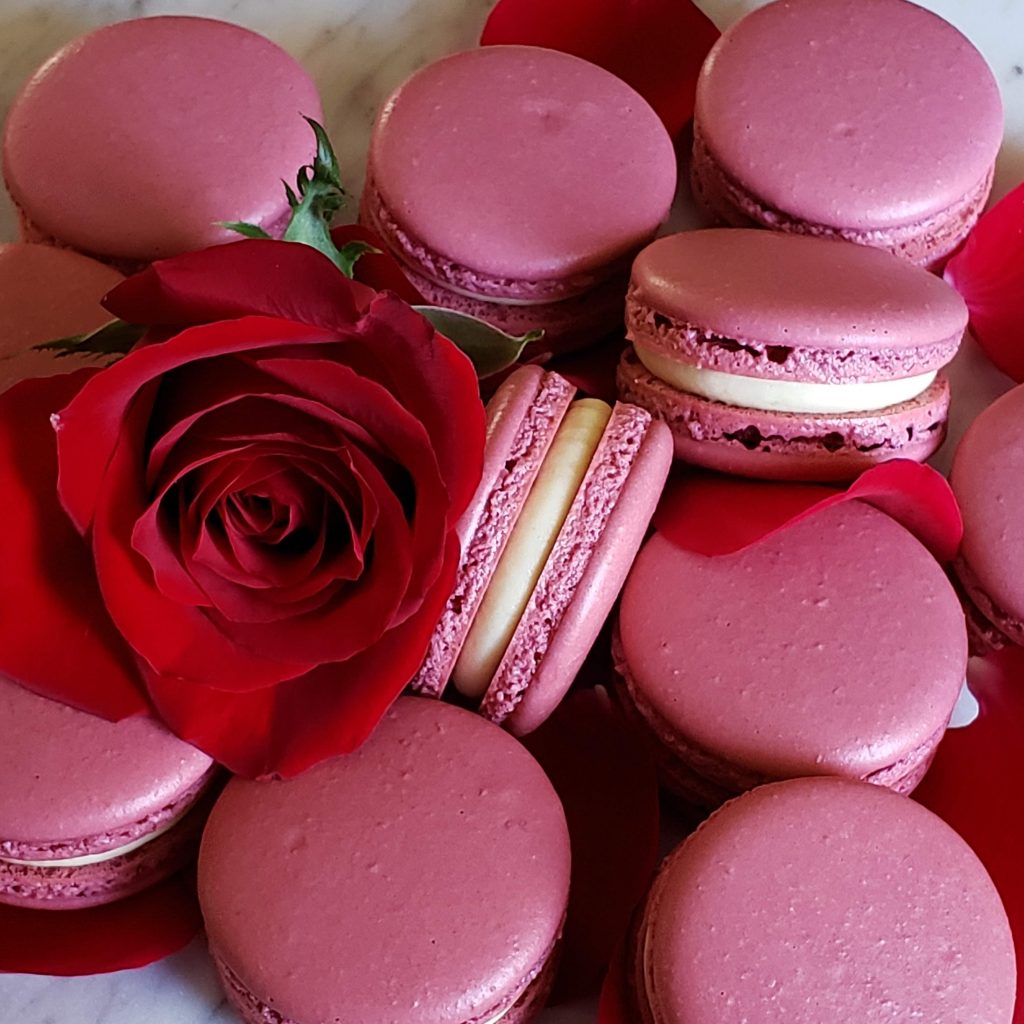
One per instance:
(814, 131)
(176, 124)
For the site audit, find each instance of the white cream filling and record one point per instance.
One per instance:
(782, 395)
(532, 539)
(966, 710)
(98, 858)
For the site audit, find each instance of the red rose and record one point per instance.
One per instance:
(254, 516)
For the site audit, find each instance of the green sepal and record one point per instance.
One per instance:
(115, 339)
(241, 228)
(489, 349)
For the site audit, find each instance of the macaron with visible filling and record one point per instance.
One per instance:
(835, 646)
(422, 879)
(46, 294)
(988, 480)
(516, 183)
(823, 900)
(137, 141)
(567, 493)
(92, 811)
(785, 357)
(873, 121)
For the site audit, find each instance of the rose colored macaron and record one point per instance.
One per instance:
(874, 121)
(835, 646)
(778, 356)
(823, 900)
(91, 811)
(988, 480)
(516, 183)
(138, 140)
(567, 493)
(420, 880)
(46, 294)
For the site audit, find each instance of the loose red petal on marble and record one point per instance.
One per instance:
(976, 779)
(118, 936)
(989, 273)
(609, 789)
(613, 1007)
(657, 46)
(712, 514)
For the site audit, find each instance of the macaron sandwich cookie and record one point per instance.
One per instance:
(835, 646)
(823, 900)
(422, 879)
(516, 183)
(788, 357)
(873, 121)
(92, 811)
(988, 480)
(567, 492)
(137, 141)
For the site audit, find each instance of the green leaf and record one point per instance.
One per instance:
(115, 338)
(489, 349)
(241, 228)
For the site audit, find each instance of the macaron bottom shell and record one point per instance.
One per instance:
(989, 627)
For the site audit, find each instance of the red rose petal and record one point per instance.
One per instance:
(593, 369)
(989, 273)
(379, 270)
(116, 937)
(609, 788)
(657, 46)
(712, 514)
(55, 635)
(614, 1005)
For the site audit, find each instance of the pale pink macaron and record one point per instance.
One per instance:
(567, 493)
(874, 121)
(422, 879)
(136, 141)
(836, 646)
(47, 294)
(92, 811)
(823, 901)
(516, 183)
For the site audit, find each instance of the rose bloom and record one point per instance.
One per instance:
(247, 524)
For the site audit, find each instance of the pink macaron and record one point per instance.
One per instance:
(46, 294)
(567, 492)
(92, 811)
(516, 184)
(874, 121)
(787, 357)
(137, 141)
(988, 480)
(833, 647)
(823, 900)
(421, 880)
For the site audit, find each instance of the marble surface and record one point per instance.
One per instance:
(358, 50)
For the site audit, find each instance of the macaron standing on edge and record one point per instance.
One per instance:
(786, 357)
(422, 879)
(92, 811)
(177, 124)
(567, 492)
(873, 121)
(516, 183)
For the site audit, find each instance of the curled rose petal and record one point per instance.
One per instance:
(657, 46)
(989, 273)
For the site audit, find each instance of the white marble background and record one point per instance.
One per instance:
(358, 50)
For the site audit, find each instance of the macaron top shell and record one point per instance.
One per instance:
(827, 900)
(136, 141)
(66, 775)
(795, 290)
(523, 163)
(850, 113)
(988, 480)
(418, 880)
(835, 646)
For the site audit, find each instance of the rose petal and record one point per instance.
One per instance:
(593, 369)
(657, 46)
(55, 634)
(379, 270)
(989, 273)
(609, 789)
(331, 710)
(614, 1005)
(712, 514)
(119, 936)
